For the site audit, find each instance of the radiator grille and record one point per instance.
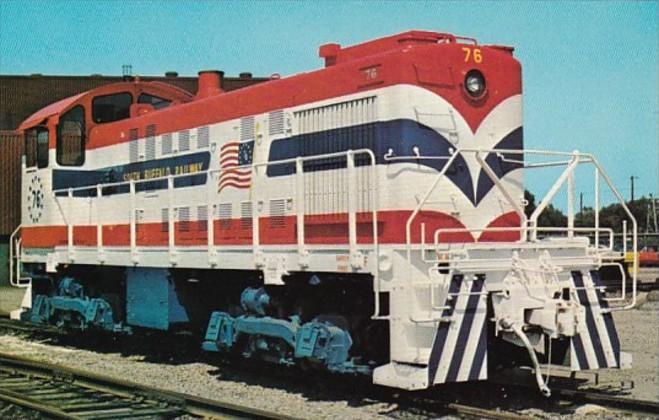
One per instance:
(276, 122)
(184, 219)
(133, 147)
(225, 214)
(150, 148)
(277, 213)
(343, 114)
(203, 137)
(246, 128)
(246, 215)
(184, 140)
(202, 218)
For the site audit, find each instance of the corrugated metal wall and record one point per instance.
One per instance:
(11, 149)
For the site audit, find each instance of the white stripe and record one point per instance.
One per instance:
(599, 321)
(472, 340)
(454, 330)
(483, 372)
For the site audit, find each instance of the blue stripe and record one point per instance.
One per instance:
(442, 331)
(608, 318)
(581, 353)
(399, 136)
(76, 178)
(590, 319)
(465, 329)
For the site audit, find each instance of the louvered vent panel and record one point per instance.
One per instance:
(277, 213)
(150, 148)
(276, 122)
(344, 114)
(203, 138)
(225, 214)
(246, 215)
(164, 220)
(202, 218)
(133, 147)
(184, 219)
(184, 140)
(246, 128)
(167, 144)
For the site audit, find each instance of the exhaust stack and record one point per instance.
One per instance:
(210, 83)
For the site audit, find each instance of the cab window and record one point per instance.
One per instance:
(36, 147)
(157, 102)
(71, 137)
(110, 108)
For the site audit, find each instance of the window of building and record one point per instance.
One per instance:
(110, 108)
(157, 102)
(71, 137)
(36, 147)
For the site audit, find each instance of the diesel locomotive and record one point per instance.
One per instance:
(365, 218)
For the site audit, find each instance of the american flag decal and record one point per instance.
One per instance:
(233, 156)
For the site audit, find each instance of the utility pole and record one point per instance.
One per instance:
(632, 178)
(654, 212)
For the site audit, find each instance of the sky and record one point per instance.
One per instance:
(590, 69)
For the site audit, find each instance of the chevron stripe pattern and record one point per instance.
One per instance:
(459, 351)
(598, 345)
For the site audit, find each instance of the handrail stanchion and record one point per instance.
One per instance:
(256, 241)
(299, 204)
(570, 205)
(69, 228)
(171, 231)
(133, 222)
(99, 225)
(210, 219)
(352, 204)
(597, 208)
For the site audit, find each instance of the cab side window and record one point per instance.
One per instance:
(36, 147)
(156, 101)
(110, 108)
(71, 137)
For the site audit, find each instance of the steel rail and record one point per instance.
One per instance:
(62, 392)
(613, 401)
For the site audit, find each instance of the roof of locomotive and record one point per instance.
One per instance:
(174, 93)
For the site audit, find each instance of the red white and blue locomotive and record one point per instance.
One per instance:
(367, 217)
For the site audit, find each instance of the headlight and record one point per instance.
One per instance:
(475, 83)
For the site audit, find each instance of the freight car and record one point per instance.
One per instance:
(364, 218)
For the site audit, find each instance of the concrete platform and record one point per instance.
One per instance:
(10, 299)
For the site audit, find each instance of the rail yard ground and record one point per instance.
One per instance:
(638, 329)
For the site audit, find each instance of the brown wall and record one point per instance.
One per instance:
(11, 149)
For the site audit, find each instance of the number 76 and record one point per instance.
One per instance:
(476, 56)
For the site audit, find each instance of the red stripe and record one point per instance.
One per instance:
(229, 144)
(237, 172)
(331, 229)
(234, 159)
(229, 152)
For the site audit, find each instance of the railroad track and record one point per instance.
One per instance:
(65, 393)
(172, 404)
